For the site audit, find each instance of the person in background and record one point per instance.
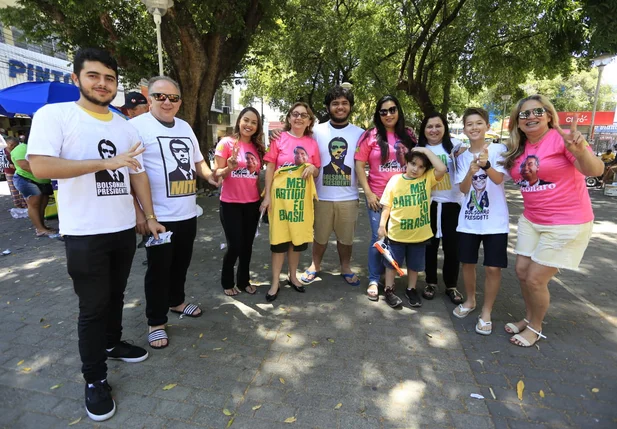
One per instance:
(135, 104)
(378, 147)
(555, 227)
(445, 207)
(9, 171)
(238, 162)
(607, 156)
(36, 191)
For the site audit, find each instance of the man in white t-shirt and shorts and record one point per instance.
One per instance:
(97, 215)
(172, 159)
(337, 189)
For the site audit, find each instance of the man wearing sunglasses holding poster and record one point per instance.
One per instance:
(172, 160)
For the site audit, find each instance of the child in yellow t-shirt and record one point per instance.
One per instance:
(406, 211)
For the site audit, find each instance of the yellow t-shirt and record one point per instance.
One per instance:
(291, 215)
(409, 201)
(607, 157)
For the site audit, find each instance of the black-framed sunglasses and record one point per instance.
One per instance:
(480, 177)
(392, 110)
(538, 112)
(159, 96)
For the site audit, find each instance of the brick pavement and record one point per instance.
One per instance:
(328, 358)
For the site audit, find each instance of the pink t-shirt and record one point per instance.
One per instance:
(554, 191)
(289, 150)
(241, 186)
(379, 174)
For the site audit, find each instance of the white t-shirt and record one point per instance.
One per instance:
(446, 191)
(337, 180)
(169, 160)
(485, 210)
(94, 203)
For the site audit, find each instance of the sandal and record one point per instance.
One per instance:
(462, 312)
(373, 295)
(189, 310)
(157, 335)
(304, 278)
(482, 324)
(349, 279)
(455, 296)
(429, 291)
(523, 341)
(513, 329)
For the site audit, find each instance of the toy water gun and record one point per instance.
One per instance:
(385, 251)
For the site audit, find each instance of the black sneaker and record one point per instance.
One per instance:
(413, 297)
(127, 353)
(99, 403)
(392, 300)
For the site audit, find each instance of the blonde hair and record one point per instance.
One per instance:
(309, 130)
(516, 147)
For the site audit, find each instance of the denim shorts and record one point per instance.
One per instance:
(412, 253)
(28, 188)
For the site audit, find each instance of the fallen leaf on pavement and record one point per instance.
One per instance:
(492, 393)
(256, 407)
(170, 386)
(314, 343)
(230, 422)
(520, 386)
(203, 356)
(338, 406)
(331, 340)
(20, 362)
(201, 335)
(595, 390)
(55, 386)
(74, 422)
(541, 393)
(429, 335)
(290, 420)
(42, 320)
(46, 326)
(227, 412)
(289, 335)
(217, 349)
(224, 339)
(27, 369)
(282, 380)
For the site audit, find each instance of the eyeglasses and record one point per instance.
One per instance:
(538, 112)
(297, 115)
(159, 96)
(480, 177)
(392, 110)
(178, 150)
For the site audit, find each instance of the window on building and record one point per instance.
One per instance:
(218, 100)
(2, 33)
(18, 38)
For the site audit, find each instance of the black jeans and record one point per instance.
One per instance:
(167, 267)
(99, 266)
(239, 222)
(449, 243)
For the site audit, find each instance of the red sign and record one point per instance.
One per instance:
(584, 118)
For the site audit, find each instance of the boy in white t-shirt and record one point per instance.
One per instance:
(96, 157)
(484, 216)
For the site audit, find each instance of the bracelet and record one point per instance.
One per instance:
(151, 216)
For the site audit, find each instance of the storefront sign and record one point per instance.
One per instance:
(37, 73)
(584, 118)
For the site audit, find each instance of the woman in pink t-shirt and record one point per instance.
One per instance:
(238, 161)
(550, 166)
(383, 148)
(294, 146)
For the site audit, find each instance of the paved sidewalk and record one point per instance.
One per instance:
(328, 358)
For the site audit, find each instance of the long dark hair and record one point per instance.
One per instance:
(399, 128)
(445, 141)
(257, 137)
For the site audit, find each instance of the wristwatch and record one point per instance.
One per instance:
(487, 166)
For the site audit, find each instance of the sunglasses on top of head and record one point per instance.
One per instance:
(538, 112)
(392, 110)
(159, 96)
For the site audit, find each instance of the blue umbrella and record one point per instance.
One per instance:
(27, 98)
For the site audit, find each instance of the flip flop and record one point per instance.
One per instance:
(350, 276)
(189, 310)
(462, 312)
(304, 277)
(156, 335)
(482, 324)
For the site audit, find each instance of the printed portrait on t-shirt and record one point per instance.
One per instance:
(250, 171)
(4, 161)
(530, 169)
(177, 153)
(336, 173)
(109, 182)
(400, 150)
(478, 202)
(300, 155)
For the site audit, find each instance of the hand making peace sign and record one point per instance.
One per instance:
(575, 142)
(232, 161)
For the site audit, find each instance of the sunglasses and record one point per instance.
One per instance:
(538, 112)
(384, 112)
(159, 96)
(480, 177)
(297, 115)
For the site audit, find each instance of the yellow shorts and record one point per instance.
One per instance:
(337, 216)
(557, 246)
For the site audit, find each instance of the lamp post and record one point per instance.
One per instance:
(505, 98)
(600, 62)
(158, 8)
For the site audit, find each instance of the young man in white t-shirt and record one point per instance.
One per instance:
(96, 157)
(172, 160)
(337, 188)
(484, 216)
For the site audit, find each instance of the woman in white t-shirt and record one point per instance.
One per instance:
(445, 207)
(238, 160)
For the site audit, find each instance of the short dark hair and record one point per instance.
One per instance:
(410, 155)
(94, 54)
(338, 92)
(337, 139)
(475, 111)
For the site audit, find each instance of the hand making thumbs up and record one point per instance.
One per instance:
(575, 142)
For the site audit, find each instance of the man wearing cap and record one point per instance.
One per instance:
(135, 104)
